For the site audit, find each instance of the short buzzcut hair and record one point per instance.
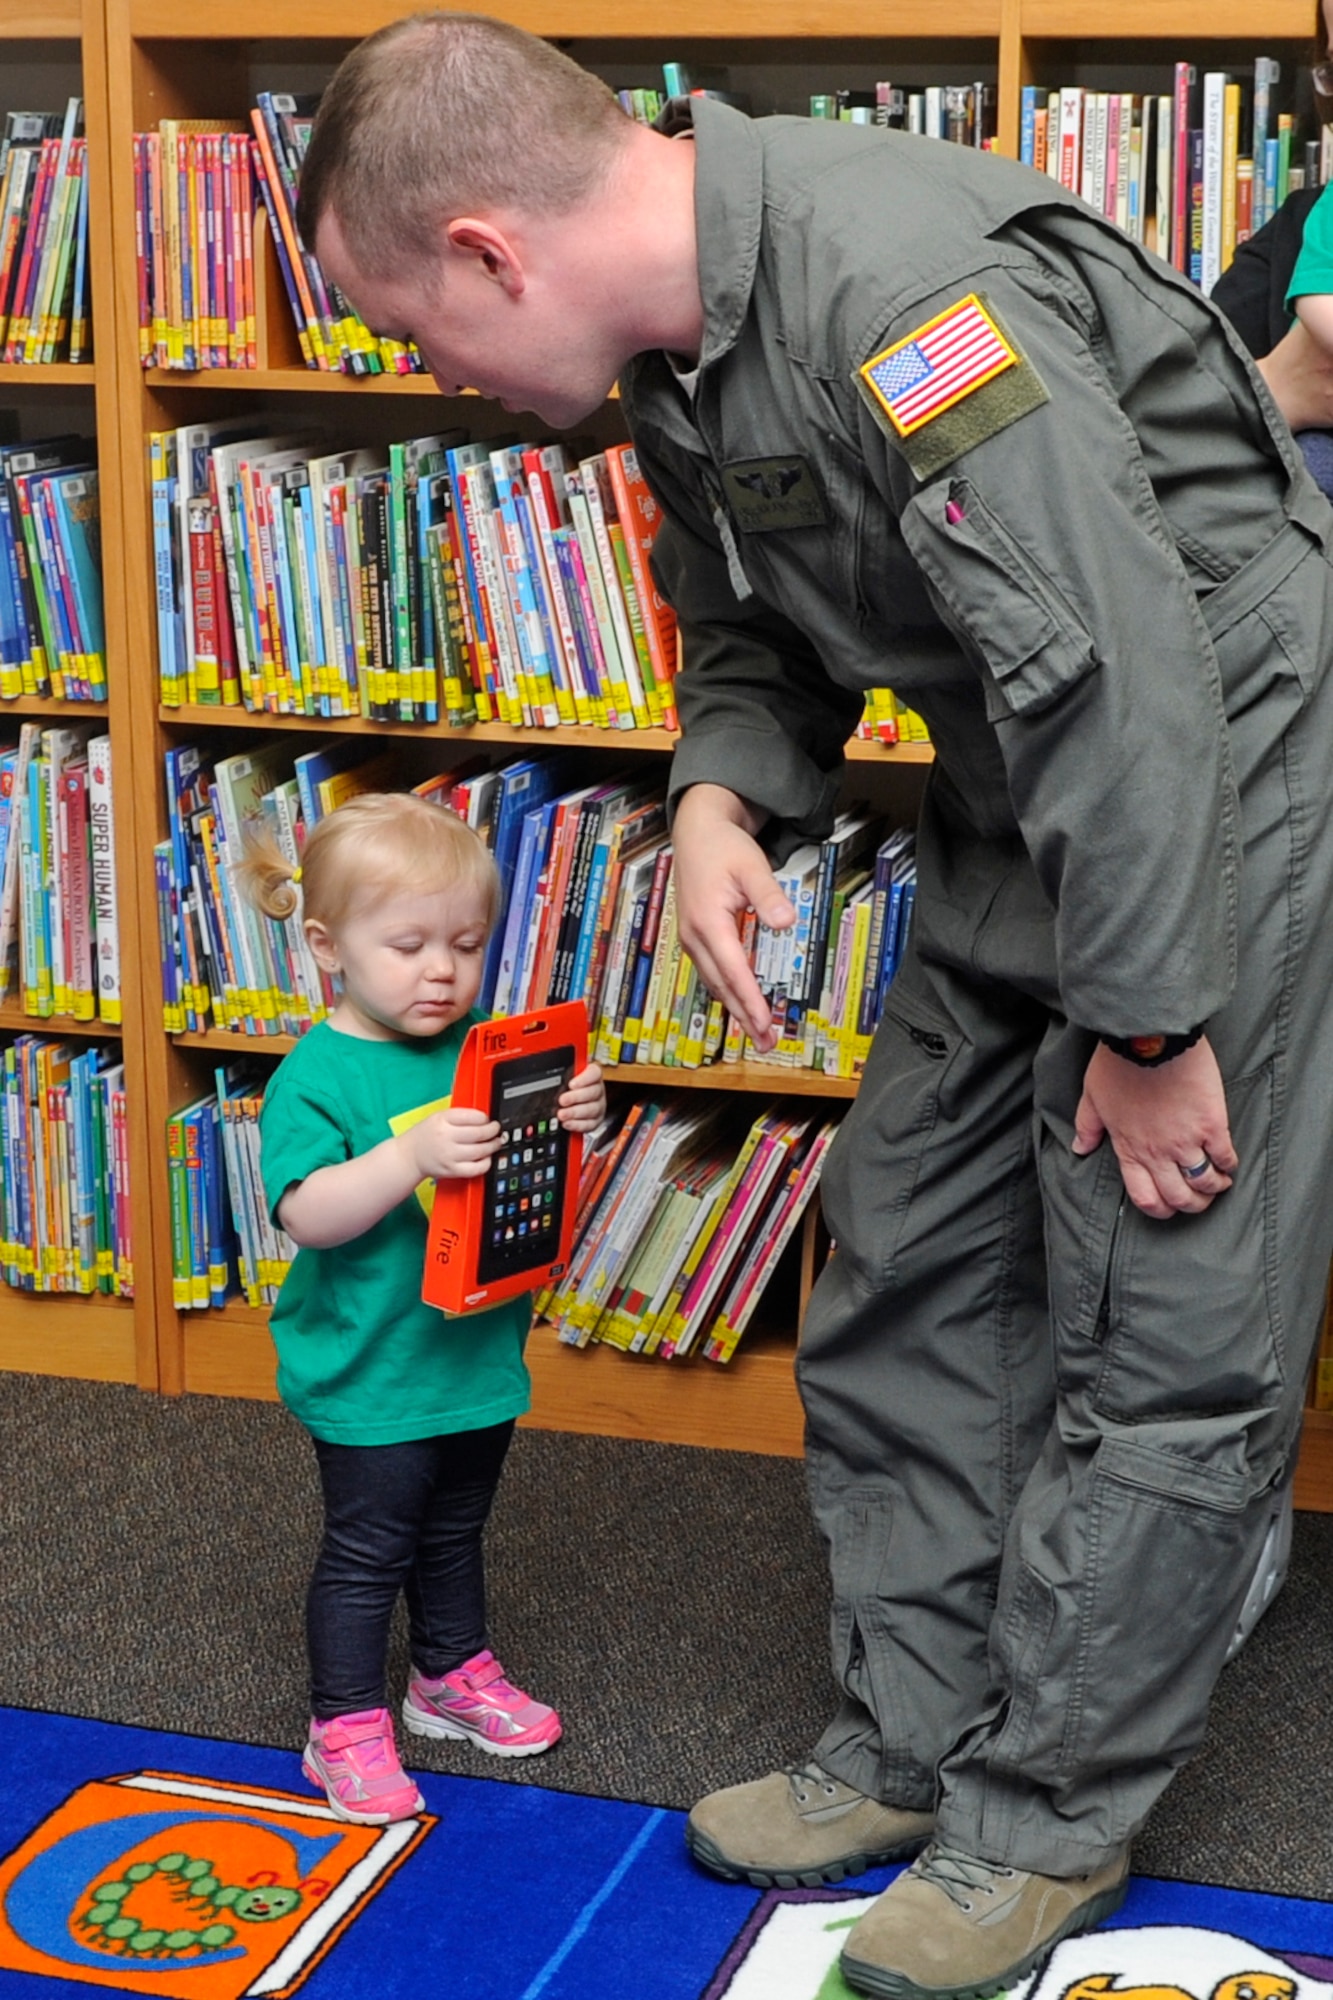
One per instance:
(442, 115)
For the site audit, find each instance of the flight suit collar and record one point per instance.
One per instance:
(728, 215)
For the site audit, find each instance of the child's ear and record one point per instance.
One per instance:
(320, 940)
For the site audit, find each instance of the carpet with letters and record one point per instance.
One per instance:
(153, 1863)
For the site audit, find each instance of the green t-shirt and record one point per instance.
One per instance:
(361, 1360)
(1314, 265)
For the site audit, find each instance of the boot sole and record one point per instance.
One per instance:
(710, 1856)
(883, 1985)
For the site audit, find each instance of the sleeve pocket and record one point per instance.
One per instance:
(1033, 641)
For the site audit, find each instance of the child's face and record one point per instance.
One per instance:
(410, 960)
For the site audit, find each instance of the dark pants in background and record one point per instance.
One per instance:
(1317, 447)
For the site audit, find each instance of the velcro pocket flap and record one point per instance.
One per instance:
(995, 596)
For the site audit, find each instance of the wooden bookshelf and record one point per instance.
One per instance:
(92, 1338)
(573, 735)
(767, 1078)
(750, 1405)
(13, 1020)
(147, 59)
(47, 375)
(98, 1337)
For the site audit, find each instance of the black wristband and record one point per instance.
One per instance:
(1151, 1051)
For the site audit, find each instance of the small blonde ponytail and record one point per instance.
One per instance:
(268, 879)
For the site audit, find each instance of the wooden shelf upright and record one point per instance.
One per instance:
(101, 1338)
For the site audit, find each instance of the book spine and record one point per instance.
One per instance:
(308, 326)
(1071, 136)
(80, 967)
(1230, 160)
(627, 687)
(1181, 217)
(1196, 205)
(179, 1208)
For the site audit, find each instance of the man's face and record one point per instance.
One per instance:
(520, 348)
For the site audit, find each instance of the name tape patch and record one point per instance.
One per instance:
(932, 369)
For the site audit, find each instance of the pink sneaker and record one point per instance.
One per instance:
(476, 1702)
(354, 1760)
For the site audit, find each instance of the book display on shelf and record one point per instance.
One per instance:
(663, 1244)
(59, 935)
(441, 580)
(586, 911)
(52, 633)
(684, 1212)
(963, 113)
(66, 1196)
(221, 1234)
(198, 186)
(1191, 173)
(44, 311)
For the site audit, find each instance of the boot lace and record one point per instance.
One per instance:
(805, 1778)
(960, 1876)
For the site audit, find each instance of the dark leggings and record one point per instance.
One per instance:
(399, 1517)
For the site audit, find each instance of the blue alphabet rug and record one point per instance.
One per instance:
(197, 1870)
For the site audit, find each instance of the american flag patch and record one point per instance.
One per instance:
(935, 367)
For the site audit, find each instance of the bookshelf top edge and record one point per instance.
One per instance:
(33, 21)
(346, 21)
(48, 374)
(1179, 20)
(349, 20)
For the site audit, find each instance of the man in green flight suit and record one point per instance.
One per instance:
(918, 417)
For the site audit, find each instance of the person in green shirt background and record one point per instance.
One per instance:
(411, 1413)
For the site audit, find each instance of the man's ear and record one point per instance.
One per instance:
(322, 947)
(490, 248)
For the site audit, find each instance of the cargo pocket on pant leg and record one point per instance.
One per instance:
(1163, 1555)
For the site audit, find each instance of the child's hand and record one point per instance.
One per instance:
(582, 1104)
(453, 1145)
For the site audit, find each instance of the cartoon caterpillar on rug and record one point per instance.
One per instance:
(112, 1926)
(1241, 1986)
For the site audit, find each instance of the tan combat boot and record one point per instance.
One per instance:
(953, 1928)
(798, 1828)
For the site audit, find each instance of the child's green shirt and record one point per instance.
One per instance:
(1314, 265)
(360, 1359)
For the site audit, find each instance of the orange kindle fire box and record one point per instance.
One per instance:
(510, 1229)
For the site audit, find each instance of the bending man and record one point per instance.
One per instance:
(917, 417)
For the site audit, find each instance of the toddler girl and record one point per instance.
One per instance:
(411, 1413)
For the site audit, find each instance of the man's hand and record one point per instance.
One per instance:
(1160, 1121)
(721, 871)
(1299, 373)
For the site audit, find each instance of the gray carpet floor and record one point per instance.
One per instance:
(671, 1602)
